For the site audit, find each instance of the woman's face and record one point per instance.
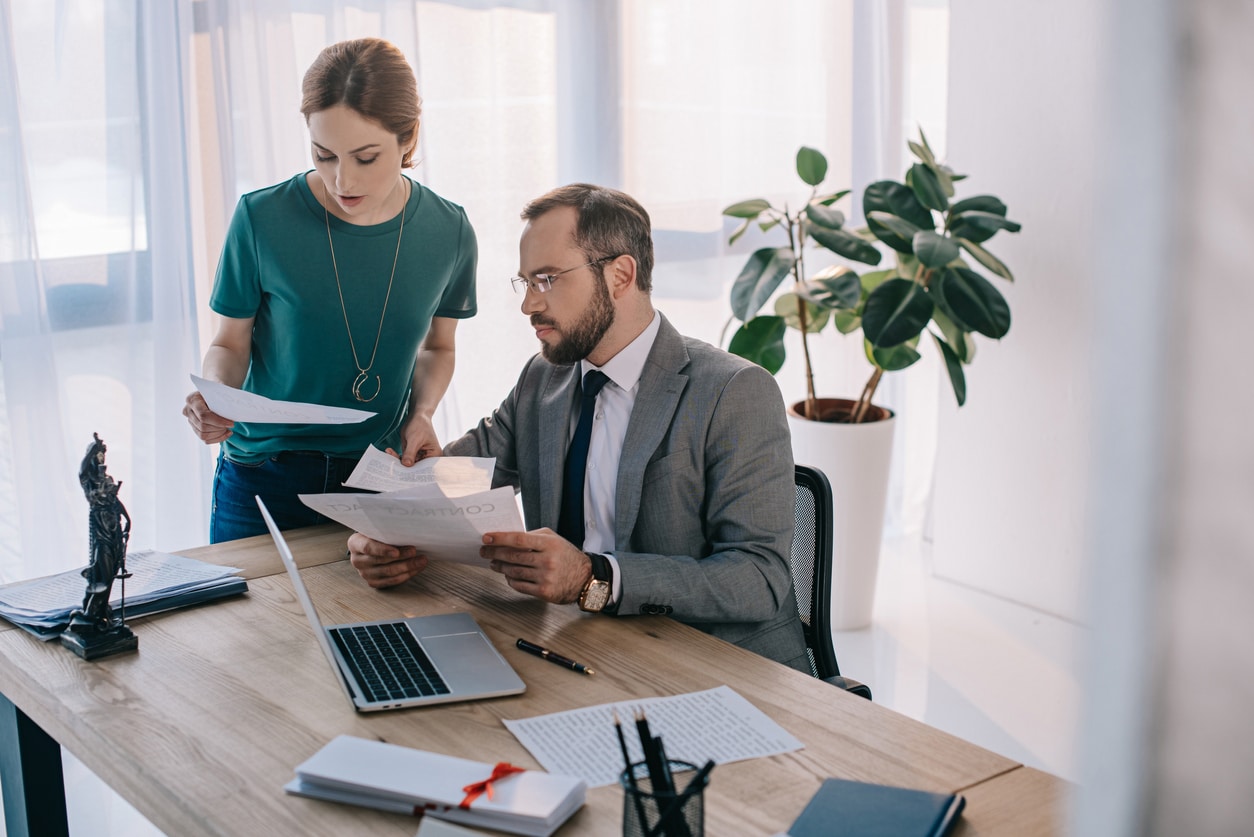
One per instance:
(359, 163)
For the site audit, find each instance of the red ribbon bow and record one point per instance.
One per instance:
(476, 789)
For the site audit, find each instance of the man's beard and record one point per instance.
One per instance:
(579, 341)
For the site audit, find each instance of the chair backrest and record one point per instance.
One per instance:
(812, 567)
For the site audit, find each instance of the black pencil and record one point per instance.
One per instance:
(631, 772)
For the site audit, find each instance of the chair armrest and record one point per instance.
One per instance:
(849, 685)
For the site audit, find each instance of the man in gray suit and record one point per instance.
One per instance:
(687, 504)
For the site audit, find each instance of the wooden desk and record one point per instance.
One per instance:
(201, 728)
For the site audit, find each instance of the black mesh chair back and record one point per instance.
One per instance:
(811, 565)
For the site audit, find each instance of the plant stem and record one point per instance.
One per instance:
(864, 400)
(798, 273)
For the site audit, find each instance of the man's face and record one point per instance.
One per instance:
(572, 317)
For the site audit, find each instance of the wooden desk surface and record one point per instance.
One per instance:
(201, 728)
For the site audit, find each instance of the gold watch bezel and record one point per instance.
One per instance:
(595, 595)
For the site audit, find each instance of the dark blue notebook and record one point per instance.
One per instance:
(840, 808)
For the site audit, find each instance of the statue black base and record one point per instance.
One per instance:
(91, 641)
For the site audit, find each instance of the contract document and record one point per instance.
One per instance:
(238, 405)
(443, 528)
(717, 724)
(456, 475)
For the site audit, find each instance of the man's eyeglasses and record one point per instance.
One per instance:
(542, 282)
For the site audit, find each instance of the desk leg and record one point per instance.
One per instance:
(30, 768)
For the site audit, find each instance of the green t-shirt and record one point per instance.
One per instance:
(276, 267)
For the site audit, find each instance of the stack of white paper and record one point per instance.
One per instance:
(403, 780)
(442, 505)
(158, 582)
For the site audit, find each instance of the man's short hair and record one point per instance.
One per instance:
(611, 223)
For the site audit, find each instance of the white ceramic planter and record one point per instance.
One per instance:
(855, 458)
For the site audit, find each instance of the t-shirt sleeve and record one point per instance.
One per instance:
(237, 285)
(459, 300)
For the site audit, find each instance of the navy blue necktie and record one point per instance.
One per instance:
(570, 524)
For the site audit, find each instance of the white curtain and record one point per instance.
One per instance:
(97, 328)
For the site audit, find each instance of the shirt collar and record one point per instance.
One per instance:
(626, 367)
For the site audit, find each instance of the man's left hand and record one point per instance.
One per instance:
(540, 563)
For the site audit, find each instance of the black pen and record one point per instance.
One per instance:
(564, 662)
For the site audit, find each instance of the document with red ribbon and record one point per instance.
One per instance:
(359, 771)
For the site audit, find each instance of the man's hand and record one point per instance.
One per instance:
(540, 563)
(208, 425)
(381, 564)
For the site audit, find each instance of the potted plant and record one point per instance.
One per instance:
(932, 287)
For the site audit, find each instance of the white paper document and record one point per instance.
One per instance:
(443, 528)
(456, 475)
(716, 724)
(238, 405)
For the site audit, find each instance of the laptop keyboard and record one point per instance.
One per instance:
(388, 662)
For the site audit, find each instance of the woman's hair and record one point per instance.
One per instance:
(611, 223)
(372, 77)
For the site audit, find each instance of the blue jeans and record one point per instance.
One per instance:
(277, 481)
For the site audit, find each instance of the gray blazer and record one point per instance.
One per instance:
(705, 496)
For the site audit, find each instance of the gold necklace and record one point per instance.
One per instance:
(363, 376)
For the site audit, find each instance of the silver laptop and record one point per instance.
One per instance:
(405, 662)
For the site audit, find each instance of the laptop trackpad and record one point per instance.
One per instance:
(467, 661)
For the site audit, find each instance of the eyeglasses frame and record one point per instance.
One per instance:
(522, 284)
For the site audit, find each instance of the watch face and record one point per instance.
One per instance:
(595, 596)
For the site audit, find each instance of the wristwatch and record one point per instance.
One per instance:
(596, 593)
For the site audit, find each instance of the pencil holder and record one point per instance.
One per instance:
(649, 811)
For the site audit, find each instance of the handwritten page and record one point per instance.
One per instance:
(455, 475)
(443, 528)
(238, 405)
(716, 724)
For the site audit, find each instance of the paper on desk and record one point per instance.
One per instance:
(443, 528)
(238, 405)
(158, 582)
(716, 724)
(456, 475)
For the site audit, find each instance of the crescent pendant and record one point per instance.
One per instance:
(363, 379)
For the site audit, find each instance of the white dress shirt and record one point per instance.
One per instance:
(609, 427)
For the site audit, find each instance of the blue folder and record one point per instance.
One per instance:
(841, 808)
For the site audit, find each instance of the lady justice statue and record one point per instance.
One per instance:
(94, 631)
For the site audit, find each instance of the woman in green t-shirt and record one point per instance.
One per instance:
(341, 286)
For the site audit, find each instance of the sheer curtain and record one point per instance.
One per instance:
(97, 332)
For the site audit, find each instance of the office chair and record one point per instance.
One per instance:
(811, 565)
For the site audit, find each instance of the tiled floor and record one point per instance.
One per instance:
(987, 670)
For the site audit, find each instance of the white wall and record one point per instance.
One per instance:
(1010, 486)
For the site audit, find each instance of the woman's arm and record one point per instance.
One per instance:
(433, 370)
(226, 361)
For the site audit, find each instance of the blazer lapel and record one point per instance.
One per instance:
(661, 386)
(556, 405)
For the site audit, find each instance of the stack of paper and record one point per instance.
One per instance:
(442, 505)
(403, 780)
(158, 582)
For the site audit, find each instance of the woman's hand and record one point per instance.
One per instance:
(208, 425)
(418, 440)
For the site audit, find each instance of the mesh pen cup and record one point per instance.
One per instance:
(656, 812)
